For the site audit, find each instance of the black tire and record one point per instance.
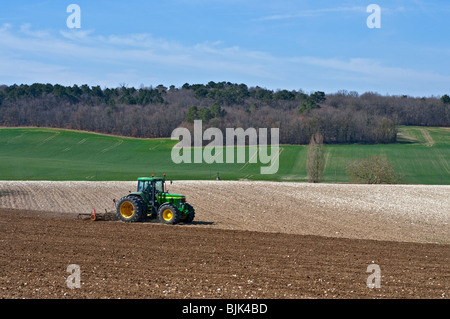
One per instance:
(190, 217)
(169, 214)
(131, 209)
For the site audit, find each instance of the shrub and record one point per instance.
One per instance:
(372, 170)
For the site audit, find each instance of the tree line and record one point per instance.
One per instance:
(150, 112)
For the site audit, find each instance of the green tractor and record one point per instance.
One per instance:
(152, 201)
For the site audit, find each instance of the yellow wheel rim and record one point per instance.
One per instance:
(167, 214)
(126, 209)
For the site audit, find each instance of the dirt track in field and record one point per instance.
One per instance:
(249, 240)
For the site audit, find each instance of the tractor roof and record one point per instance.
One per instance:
(150, 179)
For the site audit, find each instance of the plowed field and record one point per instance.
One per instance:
(249, 240)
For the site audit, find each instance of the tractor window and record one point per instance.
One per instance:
(159, 186)
(145, 187)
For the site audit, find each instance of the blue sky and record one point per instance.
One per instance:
(310, 45)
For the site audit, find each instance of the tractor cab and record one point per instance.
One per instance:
(146, 185)
(151, 187)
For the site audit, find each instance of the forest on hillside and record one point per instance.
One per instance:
(154, 112)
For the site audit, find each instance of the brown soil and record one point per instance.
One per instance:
(249, 240)
(147, 260)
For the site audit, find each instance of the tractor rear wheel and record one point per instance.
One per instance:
(131, 209)
(169, 214)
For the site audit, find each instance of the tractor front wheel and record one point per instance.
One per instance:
(169, 214)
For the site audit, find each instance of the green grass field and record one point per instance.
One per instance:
(422, 156)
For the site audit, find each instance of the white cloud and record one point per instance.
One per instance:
(39, 34)
(68, 57)
(311, 13)
(323, 11)
(143, 53)
(376, 76)
(76, 34)
(374, 69)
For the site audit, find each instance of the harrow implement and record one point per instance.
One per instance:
(94, 216)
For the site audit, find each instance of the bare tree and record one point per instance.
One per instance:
(315, 162)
